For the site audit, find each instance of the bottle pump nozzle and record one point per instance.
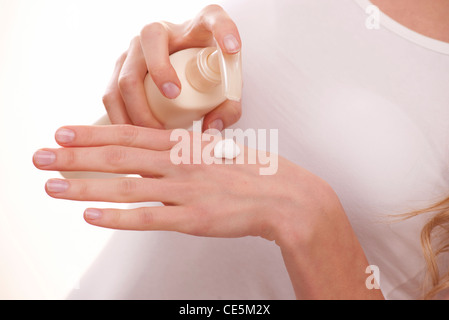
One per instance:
(231, 74)
(211, 67)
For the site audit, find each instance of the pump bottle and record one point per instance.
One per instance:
(208, 77)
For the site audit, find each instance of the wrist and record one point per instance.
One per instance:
(303, 215)
(321, 252)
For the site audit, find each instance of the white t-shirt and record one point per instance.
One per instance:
(365, 109)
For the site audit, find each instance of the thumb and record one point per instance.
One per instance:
(223, 116)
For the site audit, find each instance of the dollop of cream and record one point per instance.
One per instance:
(227, 149)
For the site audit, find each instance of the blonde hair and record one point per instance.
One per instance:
(434, 242)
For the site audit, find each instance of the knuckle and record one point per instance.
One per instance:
(70, 158)
(135, 41)
(128, 81)
(145, 217)
(127, 187)
(213, 8)
(114, 155)
(110, 97)
(127, 135)
(153, 29)
(121, 59)
(217, 18)
(107, 99)
(83, 190)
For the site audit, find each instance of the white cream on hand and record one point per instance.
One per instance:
(226, 149)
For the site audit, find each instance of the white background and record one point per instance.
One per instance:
(56, 58)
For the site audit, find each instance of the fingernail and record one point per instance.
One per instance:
(92, 214)
(44, 158)
(231, 44)
(65, 135)
(216, 124)
(57, 185)
(170, 90)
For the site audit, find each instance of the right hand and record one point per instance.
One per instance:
(125, 100)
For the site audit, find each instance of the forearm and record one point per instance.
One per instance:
(326, 261)
(340, 276)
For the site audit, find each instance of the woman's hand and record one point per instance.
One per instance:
(125, 99)
(293, 207)
(222, 200)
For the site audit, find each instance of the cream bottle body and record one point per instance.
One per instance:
(208, 78)
(198, 95)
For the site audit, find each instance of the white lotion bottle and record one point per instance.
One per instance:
(208, 77)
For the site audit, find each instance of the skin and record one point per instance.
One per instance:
(294, 208)
(428, 17)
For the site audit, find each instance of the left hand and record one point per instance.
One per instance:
(218, 200)
(293, 207)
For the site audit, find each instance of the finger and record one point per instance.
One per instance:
(215, 20)
(130, 82)
(120, 135)
(168, 218)
(120, 190)
(154, 40)
(112, 159)
(112, 98)
(225, 115)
